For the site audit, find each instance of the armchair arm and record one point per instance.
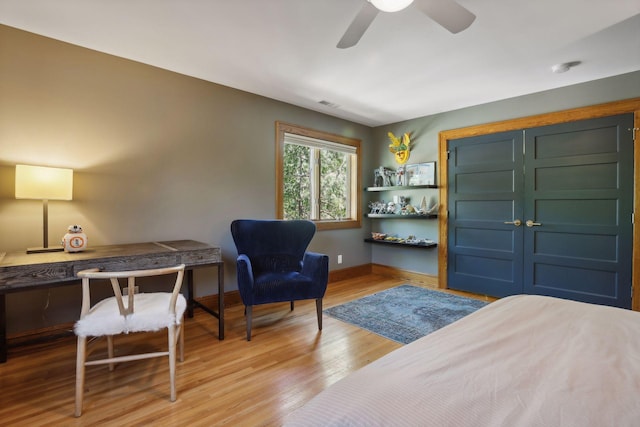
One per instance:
(245, 279)
(316, 266)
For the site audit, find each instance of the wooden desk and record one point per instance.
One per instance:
(20, 271)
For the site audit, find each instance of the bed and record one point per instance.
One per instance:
(520, 361)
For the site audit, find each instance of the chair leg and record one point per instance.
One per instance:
(291, 305)
(248, 310)
(172, 360)
(181, 340)
(81, 354)
(319, 312)
(110, 350)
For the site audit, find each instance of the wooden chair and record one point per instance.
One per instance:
(143, 312)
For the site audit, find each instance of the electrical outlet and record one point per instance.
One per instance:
(339, 259)
(125, 291)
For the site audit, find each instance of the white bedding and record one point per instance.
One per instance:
(520, 361)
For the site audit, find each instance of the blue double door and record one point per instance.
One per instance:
(544, 211)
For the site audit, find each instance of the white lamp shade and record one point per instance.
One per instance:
(38, 182)
(391, 5)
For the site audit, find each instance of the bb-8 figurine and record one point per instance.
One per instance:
(75, 240)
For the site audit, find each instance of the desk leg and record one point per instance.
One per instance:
(221, 301)
(3, 330)
(191, 302)
(190, 293)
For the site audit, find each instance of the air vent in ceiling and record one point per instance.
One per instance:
(328, 104)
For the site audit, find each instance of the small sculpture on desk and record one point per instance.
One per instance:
(75, 240)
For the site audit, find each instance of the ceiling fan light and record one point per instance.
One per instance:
(391, 5)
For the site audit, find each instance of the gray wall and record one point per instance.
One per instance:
(425, 149)
(157, 156)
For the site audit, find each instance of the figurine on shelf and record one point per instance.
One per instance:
(400, 201)
(377, 178)
(391, 208)
(409, 210)
(400, 174)
(382, 177)
(423, 206)
(378, 207)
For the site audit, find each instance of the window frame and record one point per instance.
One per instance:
(356, 194)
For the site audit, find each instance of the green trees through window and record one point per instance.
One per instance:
(317, 177)
(297, 182)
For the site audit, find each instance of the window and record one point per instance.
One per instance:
(317, 177)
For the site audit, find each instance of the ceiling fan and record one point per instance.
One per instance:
(447, 13)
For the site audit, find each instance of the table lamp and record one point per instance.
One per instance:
(43, 183)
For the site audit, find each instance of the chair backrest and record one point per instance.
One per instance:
(273, 245)
(130, 276)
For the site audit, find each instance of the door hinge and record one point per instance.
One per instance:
(633, 217)
(448, 154)
(633, 132)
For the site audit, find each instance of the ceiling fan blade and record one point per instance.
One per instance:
(358, 26)
(447, 13)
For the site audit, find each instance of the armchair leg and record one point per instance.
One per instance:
(319, 312)
(248, 310)
(291, 305)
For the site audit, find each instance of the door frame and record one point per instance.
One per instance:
(582, 113)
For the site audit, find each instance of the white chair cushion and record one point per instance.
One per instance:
(151, 313)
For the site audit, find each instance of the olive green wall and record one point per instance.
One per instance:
(157, 156)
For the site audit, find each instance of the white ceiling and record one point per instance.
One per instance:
(405, 65)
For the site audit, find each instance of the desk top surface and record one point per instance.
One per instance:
(19, 270)
(17, 258)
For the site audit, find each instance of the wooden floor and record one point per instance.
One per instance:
(231, 382)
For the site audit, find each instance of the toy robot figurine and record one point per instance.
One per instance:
(75, 240)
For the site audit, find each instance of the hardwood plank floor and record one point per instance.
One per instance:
(230, 382)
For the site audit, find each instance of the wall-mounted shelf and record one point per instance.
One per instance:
(411, 245)
(400, 187)
(385, 216)
(400, 216)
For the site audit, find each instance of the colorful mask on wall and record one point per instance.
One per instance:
(400, 148)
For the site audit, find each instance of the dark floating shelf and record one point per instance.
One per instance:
(400, 187)
(400, 216)
(410, 245)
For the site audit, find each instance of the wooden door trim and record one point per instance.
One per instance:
(582, 113)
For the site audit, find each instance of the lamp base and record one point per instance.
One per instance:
(43, 250)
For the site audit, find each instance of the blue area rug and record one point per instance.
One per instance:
(405, 313)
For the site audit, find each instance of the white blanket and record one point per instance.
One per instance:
(521, 361)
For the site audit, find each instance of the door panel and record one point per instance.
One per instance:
(579, 187)
(562, 280)
(581, 246)
(483, 183)
(578, 177)
(574, 182)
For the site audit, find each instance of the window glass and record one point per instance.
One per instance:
(317, 177)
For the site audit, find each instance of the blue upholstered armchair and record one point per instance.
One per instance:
(273, 265)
